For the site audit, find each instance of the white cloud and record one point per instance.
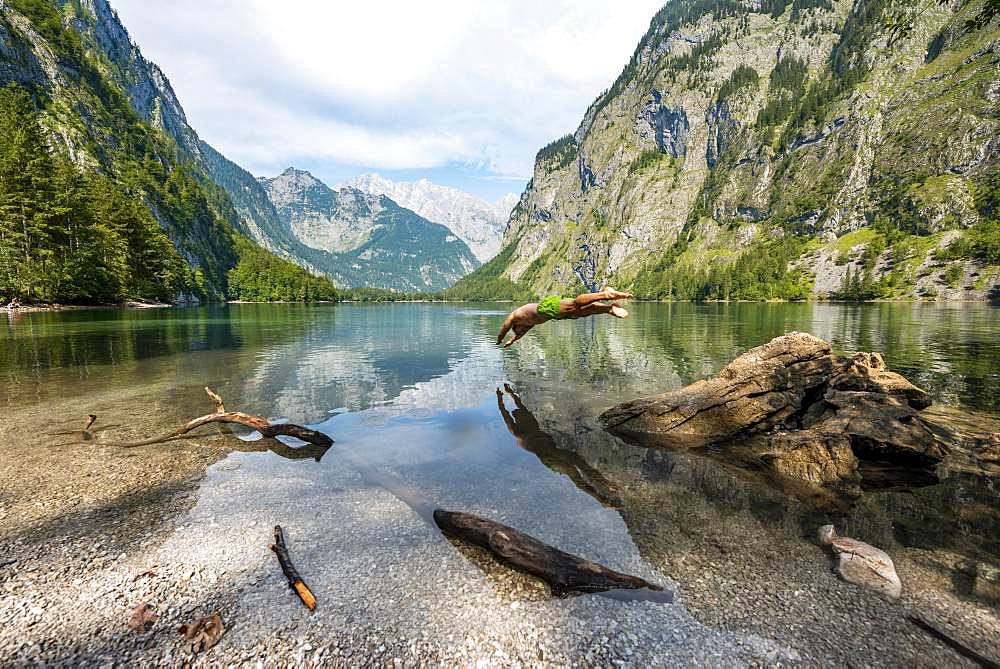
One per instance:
(383, 84)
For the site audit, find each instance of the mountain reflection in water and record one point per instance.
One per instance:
(415, 389)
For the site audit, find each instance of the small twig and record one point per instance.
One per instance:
(220, 406)
(295, 581)
(87, 434)
(952, 642)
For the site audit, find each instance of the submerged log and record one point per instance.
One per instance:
(564, 573)
(804, 412)
(295, 581)
(952, 642)
(259, 423)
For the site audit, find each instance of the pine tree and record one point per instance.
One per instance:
(26, 206)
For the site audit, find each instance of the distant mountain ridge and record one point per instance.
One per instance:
(373, 240)
(243, 198)
(479, 223)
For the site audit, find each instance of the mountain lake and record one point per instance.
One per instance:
(413, 395)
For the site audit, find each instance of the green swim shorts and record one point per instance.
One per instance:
(549, 307)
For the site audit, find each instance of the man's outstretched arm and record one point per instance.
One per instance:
(505, 329)
(518, 333)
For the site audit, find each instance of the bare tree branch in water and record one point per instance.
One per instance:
(259, 423)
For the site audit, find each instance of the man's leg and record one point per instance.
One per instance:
(575, 308)
(597, 308)
(588, 298)
(606, 294)
(570, 308)
(593, 309)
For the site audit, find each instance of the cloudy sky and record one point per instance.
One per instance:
(463, 92)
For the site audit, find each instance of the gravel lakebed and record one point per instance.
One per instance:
(89, 532)
(391, 590)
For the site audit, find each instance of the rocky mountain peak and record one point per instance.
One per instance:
(369, 231)
(475, 221)
(292, 174)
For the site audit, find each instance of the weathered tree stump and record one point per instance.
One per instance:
(563, 572)
(805, 413)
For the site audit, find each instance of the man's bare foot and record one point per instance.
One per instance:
(615, 294)
(618, 311)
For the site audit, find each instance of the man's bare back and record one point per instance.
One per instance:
(528, 316)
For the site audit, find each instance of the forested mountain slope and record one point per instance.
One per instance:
(776, 149)
(106, 192)
(99, 197)
(153, 98)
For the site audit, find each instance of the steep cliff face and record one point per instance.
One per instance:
(152, 97)
(45, 51)
(478, 223)
(778, 149)
(371, 239)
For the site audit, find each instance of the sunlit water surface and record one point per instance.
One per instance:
(409, 393)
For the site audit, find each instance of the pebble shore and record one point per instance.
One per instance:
(89, 532)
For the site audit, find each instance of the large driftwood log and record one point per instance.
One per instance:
(221, 416)
(564, 573)
(804, 412)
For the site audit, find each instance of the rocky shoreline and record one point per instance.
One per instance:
(128, 304)
(78, 564)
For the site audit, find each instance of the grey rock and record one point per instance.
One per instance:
(861, 563)
(664, 126)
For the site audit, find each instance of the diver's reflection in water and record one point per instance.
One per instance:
(523, 425)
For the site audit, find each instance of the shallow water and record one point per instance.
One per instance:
(409, 393)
